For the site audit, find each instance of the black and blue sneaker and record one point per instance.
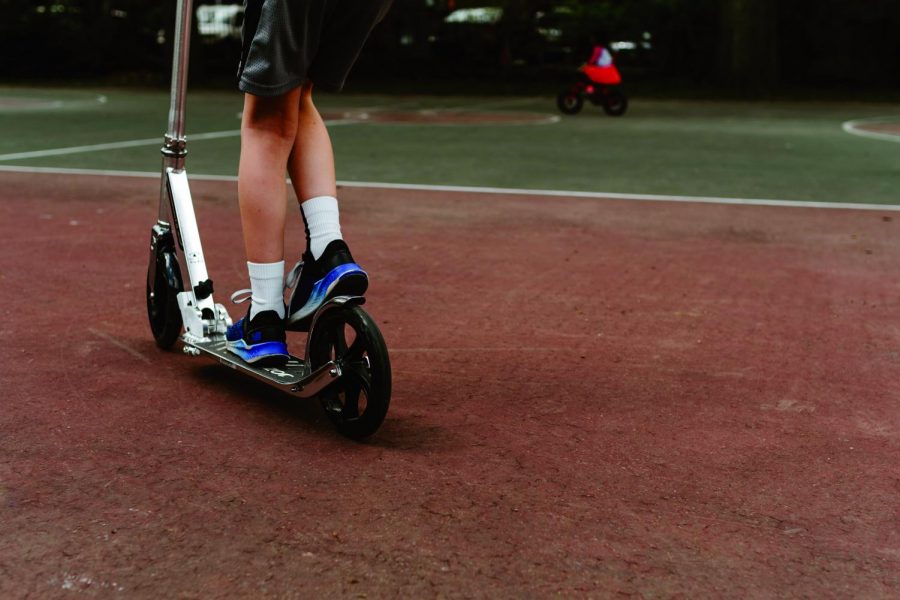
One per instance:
(335, 273)
(259, 341)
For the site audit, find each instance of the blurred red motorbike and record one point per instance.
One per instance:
(599, 82)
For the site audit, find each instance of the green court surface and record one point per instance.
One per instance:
(790, 151)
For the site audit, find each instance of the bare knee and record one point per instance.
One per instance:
(277, 115)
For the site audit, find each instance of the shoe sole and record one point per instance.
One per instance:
(354, 283)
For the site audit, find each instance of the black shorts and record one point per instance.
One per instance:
(289, 42)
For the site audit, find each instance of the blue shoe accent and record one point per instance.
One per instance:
(260, 340)
(259, 352)
(236, 331)
(322, 289)
(315, 281)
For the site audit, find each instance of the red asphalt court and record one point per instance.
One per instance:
(592, 398)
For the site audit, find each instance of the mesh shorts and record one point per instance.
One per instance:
(289, 42)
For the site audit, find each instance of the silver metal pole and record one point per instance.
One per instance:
(174, 144)
(180, 61)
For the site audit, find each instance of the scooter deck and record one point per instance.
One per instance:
(294, 377)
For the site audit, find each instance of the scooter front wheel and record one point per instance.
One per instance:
(163, 286)
(357, 402)
(569, 102)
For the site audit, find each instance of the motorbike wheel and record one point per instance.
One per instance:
(569, 103)
(615, 103)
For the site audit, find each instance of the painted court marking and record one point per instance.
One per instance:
(493, 190)
(212, 135)
(112, 146)
(429, 117)
(434, 117)
(857, 127)
(23, 103)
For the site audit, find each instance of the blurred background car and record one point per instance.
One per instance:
(220, 21)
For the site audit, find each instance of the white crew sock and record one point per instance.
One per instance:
(267, 287)
(324, 222)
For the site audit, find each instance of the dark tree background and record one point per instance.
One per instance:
(748, 46)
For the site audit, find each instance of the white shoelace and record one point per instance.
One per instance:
(294, 276)
(237, 299)
(241, 296)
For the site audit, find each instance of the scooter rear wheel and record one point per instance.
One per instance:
(357, 402)
(569, 103)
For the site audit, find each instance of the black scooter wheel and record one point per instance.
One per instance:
(357, 402)
(615, 103)
(569, 103)
(163, 286)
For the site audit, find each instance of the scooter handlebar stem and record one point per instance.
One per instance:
(180, 60)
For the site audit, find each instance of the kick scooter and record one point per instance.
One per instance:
(346, 363)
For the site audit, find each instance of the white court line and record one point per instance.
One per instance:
(548, 119)
(618, 196)
(39, 104)
(853, 128)
(492, 190)
(112, 145)
(212, 135)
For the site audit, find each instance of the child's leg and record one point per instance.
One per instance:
(331, 270)
(268, 128)
(311, 163)
(268, 131)
(311, 167)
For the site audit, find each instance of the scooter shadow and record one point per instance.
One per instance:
(399, 432)
(239, 388)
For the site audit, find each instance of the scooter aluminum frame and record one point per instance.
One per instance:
(188, 236)
(174, 143)
(295, 377)
(180, 58)
(200, 314)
